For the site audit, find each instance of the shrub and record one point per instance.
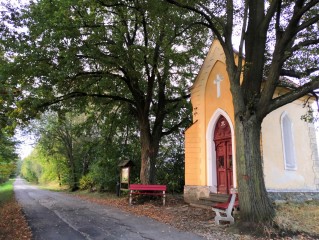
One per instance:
(87, 182)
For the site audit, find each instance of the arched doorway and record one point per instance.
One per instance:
(224, 156)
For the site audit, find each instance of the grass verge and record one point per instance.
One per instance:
(298, 217)
(6, 191)
(53, 186)
(13, 224)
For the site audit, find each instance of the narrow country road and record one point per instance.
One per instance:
(58, 216)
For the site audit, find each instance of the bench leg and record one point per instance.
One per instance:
(218, 217)
(130, 201)
(228, 217)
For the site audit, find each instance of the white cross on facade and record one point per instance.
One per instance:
(217, 81)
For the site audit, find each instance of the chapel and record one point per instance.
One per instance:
(289, 147)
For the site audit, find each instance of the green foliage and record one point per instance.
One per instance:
(87, 182)
(31, 170)
(6, 191)
(6, 170)
(171, 163)
(310, 116)
(8, 157)
(98, 144)
(134, 60)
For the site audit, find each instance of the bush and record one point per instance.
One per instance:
(87, 182)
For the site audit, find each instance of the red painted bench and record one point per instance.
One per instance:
(143, 189)
(224, 210)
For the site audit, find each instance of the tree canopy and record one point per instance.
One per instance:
(138, 56)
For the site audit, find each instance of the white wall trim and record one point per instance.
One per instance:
(211, 152)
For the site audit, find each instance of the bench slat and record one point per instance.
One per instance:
(224, 205)
(153, 187)
(148, 193)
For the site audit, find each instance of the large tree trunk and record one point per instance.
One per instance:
(71, 161)
(74, 181)
(254, 202)
(149, 152)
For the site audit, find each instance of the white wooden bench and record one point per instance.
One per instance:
(224, 210)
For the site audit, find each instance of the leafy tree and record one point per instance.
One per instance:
(60, 138)
(96, 145)
(39, 167)
(280, 39)
(118, 141)
(31, 169)
(8, 156)
(140, 53)
(171, 162)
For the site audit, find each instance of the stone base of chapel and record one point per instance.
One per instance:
(193, 193)
(293, 196)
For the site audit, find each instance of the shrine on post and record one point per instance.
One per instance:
(125, 168)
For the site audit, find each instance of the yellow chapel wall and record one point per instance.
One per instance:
(192, 155)
(205, 102)
(217, 103)
(223, 102)
(276, 176)
(195, 144)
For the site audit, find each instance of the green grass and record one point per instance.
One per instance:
(6, 191)
(53, 186)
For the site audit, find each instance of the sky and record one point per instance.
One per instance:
(27, 143)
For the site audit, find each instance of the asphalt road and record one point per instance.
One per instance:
(58, 216)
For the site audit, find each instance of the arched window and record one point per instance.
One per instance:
(288, 142)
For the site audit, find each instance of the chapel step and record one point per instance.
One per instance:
(201, 204)
(208, 202)
(214, 197)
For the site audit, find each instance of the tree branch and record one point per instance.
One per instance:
(296, 74)
(175, 127)
(83, 94)
(241, 43)
(293, 95)
(307, 23)
(208, 18)
(178, 99)
(307, 7)
(230, 20)
(305, 43)
(110, 5)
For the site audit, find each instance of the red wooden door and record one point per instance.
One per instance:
(224, 160)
